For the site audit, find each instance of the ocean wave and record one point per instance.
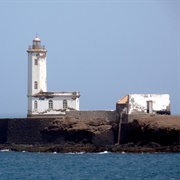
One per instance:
(4, 150)
(75, 153)
(104, 152)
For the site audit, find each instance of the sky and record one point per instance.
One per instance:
(104, 49)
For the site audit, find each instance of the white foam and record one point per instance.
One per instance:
(105, 152)
(76, 153)
(4, 150)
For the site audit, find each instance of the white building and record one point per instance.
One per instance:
(144, 103)
(41, 102)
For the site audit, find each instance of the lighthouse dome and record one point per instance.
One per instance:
(36, 39)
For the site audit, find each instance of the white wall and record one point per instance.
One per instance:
(36, 73)
(138, 102)
(43, 105)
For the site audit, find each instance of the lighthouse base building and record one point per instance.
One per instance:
(52, 103)
(41, 102)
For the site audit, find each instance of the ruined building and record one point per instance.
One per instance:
(144, 104)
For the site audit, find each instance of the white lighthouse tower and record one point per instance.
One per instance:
(36, 68)
(41, 102)
(37, 81)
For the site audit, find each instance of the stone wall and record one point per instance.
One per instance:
(112, 116)
(33, 130)
(99, 130)
(3, 130)
(23, 131)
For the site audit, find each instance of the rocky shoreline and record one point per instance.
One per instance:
(70, 135)
(127, 148)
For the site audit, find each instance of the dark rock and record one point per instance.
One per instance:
(95, 131)
(163, 130)
(69, 134)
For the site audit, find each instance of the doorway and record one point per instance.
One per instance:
(149, 107)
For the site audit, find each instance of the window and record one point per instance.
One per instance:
(50, 104)
(64, 104)
(35, 85)
(35, 62)
(35, 105)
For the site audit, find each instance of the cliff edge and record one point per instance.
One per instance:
(147, 133)
(96, 131)
(161, 129)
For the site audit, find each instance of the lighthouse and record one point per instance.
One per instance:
(37, 80)
(40, 101)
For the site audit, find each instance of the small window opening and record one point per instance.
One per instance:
(50, 104)
(64, 104)
(35, 62)
(35, 105)
(35, 85)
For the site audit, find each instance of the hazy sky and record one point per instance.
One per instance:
(104, 49)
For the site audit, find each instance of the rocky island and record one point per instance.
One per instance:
(55, 122)
(153, 133)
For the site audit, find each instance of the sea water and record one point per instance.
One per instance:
(82, 166)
